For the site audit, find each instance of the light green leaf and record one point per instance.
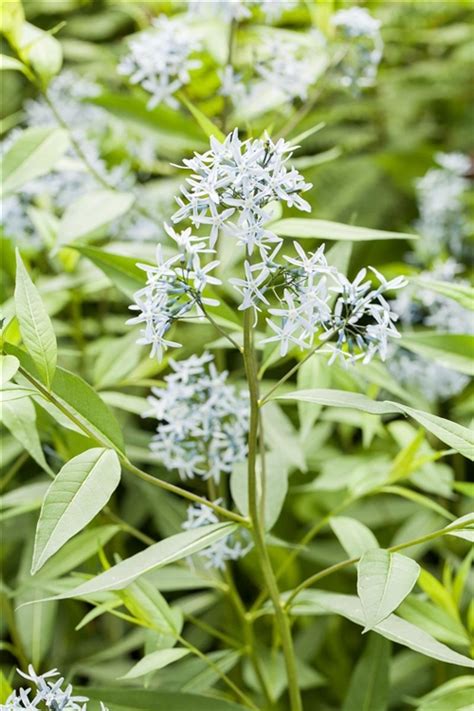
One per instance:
(464, 295)
(456, 436)
(34, 153)
(91, 212)
(35, 325)
(315, 602)
(40, 50)
(383, 581)
(450, 350)
(81, 489)
(369, 686)
(20, 418)
(12, 64)
(121, 270)
(10, 392)
(353, 535)
(209, 128)
(315, 372)
(154, 661)
(8, 367)
(466, 532)
(159, 554)
(153, 699)
(274, 489)
(322, 229)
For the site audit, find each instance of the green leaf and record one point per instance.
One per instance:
(454, 435)
(40, 50)
(464, 295)
(81, 489)
(155, 660)
(8, 367)
(316, 602)
(34, 153)
(124, 699)
(35, 325)
(313, 373)
(209, 128)
(353, 535)
(323, 229)
(274, 489)
(369, 686)
(11, 64)
(448, 349)
(383, 581)
(159, 554)
(121, 270)
(20, 418)
(91, 212)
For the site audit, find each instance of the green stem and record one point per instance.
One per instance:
(281, 618)
(127, 464)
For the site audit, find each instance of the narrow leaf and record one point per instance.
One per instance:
(322, 229)
(353, 535)
(33, 154)
(369, 686)
(383, 581)
(154, 661)
(92, 212)
(81, 489)
(35, 325)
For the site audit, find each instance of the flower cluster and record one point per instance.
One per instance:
(440, 193)
(238, 10)
(363, 46)
(232, 547)
(417, 374)
(232, 186)
(160, 60)
(174, 288)
(203, 421)
(289, 65)
(48, 694)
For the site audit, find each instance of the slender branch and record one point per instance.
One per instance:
(128, 528)
(281, 618)
(127, 464)
(288, 375)
(219, 329)
(350, 561)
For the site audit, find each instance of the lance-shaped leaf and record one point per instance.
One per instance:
(79, 492)
(33, 154)
(454, 435)
(154, 661)
(304, 227)
(383, 581)
(353, 535)
(35, 325)
(91, 213)
(159, 554)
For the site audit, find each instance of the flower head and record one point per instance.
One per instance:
(160, 60)
(203, 420)
(363, 46)
(232, 547)
(46, 694)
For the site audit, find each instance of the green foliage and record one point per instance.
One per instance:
(347, 521)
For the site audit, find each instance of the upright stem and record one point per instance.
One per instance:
(281, 618)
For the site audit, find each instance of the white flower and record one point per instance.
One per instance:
(433, 381)
(226, 10)
(46, 694)
(159, 60)
(361, 321)
(440, 194)
(232, 547)
(232, 184)
(288, 65)
(203, 421)
(363, 47)
(232, 85)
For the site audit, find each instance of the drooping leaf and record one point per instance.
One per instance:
(91, 212)
(159, 554)
(35, 325)
(81, 489)
(19, 416)
(303, 227)
(154, 661)
(393, 627)
(456, 436)
(353, 535)
(34, 153)
(383, 581)
(369, 686)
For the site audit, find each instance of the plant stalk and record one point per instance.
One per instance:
(282, 621)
